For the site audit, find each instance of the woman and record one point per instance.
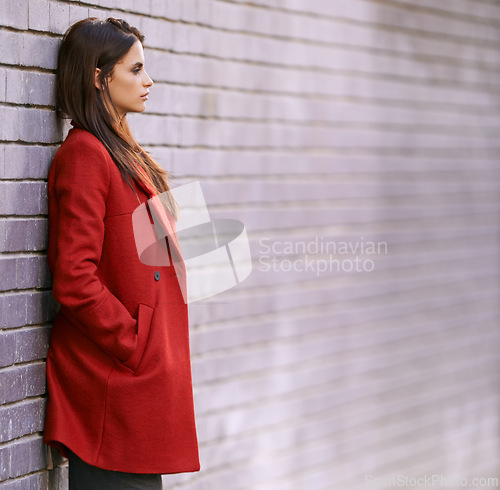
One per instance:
(120, 401)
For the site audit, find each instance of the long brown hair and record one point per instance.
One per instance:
(89, 44)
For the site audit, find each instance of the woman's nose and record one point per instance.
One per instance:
(148, 81)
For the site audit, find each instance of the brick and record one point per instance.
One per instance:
(198, 39)
(22, 418)
(161, 99)
(22, 345)
(174, 9)
(58, 477)
(131, 17)
(26, 161)
(188, 10)
(38, 125)
(21, 197)
(32, 482)
(158, 33)
(15, 87)
(13, 386)
(44, 203)
(183, 100)
(58, 17)
(44, 276)
(7, 272)
(39, 51)
(488, 11)
(76, 13)
(39, 15)
(157, 8)
(170, 10)
(7, 348)
(432, 23)
(11, 44)
(180, 37)
(4, 462)
(57, 459)
(3, 233)
(226, 44)
(100, 14)
(9, 132)
(41, 307)
(32, 343)
(14, 13)
(32, 272)
(22, 456)
(129, 5)
(21, 381)
(25, 234)
(13, 310)
(19, 458)
(154, 129)
(3, 84)
(199, 132)
(204, 12)
(227, 14)
(25, 87)
(27, 271)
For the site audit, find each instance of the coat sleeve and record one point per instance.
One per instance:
(80, 184)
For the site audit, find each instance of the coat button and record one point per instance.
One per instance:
(157, 275)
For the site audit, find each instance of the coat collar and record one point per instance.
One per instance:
(147, 188)
(162, 217)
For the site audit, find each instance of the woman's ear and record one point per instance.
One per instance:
(96, 80)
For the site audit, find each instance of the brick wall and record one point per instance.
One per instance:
(339, 123)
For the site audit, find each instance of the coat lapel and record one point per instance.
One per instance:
(163, 220)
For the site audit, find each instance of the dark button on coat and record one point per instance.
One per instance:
(118, 367)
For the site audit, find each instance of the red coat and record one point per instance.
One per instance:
(118, 367)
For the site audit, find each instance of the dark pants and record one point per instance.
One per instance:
(83, 476)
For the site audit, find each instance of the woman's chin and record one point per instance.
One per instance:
(136, 109)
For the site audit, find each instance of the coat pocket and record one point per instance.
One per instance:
(144, 317)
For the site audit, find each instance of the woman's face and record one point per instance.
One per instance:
(129, 83)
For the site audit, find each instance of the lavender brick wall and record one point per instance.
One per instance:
(311, 122)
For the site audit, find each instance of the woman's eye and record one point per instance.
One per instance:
(136, 70)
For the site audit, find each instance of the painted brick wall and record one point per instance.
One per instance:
(342, 124)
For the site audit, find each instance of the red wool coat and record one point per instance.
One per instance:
(118, 366)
